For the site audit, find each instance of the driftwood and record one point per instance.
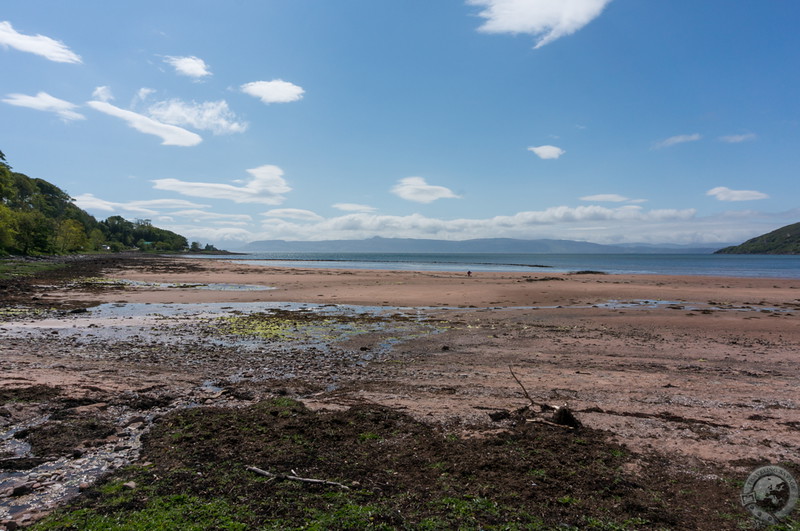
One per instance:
(295, 478)
(543, 407)
(543, 421)
(562, 416)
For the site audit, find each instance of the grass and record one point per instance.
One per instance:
(177, 511)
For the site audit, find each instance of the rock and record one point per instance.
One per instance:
(497, 416)
(138, 419)
(130, 485)
(90, 408)
(564, 416)
(22, 490)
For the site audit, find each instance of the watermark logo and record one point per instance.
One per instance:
(770, 494)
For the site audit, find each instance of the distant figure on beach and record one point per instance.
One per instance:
(469, 273)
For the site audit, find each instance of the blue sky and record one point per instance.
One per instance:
(605, 121)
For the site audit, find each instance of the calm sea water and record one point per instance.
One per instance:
(768, 266)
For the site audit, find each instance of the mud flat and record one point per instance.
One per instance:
(694, 373)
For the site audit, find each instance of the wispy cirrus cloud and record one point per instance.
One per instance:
(102, 93)
(46, 47)
(43, 101)
(547, 20)
(275, 91)
(354, 207)
(611, 198)
(266, 185)
(416, 189)
(293, 213)
(90, 202)
(190, 66)
(736, 139)
(214, 116)
(677, 139)
(203, 215)
(170, 135)
(547, 152)
(724, 193)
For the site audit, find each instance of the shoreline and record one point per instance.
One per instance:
(733, 332)
(706, 378)
(747, 266)
(372, 287)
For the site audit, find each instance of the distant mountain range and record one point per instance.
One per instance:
(785, 240)
(482, 245)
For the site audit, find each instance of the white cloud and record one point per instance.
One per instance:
(723, 193)
(103, 93)
(416, 189)
(90, 202)
(202, 215)
(189, 66)
(45, 102)
(170, 134)
(585, 222)
(37, 44)
(354, 207)
(547, 152)
(735, 139)
(547, 20)
(144, 93)
(678, 139)
(266, 186)
(611, 198)
(293, 213)
(620, 224)
(275, 91)
(210, 234)
(214, 116)
(593, 213)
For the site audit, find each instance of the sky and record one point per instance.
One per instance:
(609, 121)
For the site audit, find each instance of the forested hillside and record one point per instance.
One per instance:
(785, 240)
(37, 217)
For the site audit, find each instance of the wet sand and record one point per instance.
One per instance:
(695, 367)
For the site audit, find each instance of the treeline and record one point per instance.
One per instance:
(37, 217)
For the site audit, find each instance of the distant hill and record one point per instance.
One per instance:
(482, 245)
(785, 240)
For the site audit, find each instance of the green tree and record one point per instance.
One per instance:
(71, 237)
(96, 239)
(6, 181)
(8, 231)
(34, 231)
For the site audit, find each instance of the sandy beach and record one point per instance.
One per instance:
(696, 369)
(701, 366)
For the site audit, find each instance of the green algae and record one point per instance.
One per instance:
(286, 325)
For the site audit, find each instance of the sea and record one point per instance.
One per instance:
(727, 265)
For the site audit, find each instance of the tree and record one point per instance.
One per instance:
(34, 232)
(96, 239)
(6, 181)
(71, 237)
(8, 231)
